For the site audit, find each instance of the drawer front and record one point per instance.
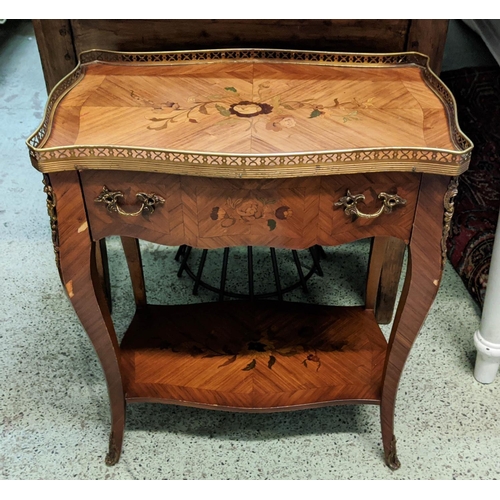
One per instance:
(379, 215)
(213, 213)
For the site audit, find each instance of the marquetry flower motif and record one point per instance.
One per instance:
(247, 109)
(220, 214)
(281, 113)
(250, 210)
(283, 212)
(247, 211)
(279, 123)
(267, 347)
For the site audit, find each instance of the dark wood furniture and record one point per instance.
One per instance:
(199, 148)
(61, 40)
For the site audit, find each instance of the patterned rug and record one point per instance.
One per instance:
(477, 92)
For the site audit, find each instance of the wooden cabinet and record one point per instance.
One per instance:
(223, 148)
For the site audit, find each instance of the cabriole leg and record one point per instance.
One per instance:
(77, 260)
(425, 264)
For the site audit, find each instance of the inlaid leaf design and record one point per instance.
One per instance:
(222, 110)
(228, 222)
(314, 358)
(369, 103)
(266, 201)
(203, 110)
(230, 89)
(250, 366)
(271, 362)
(315, 113)
(351, 116)
(233, 203)
(272, 224)
(229, 361)
(275, 101)
(214, 214)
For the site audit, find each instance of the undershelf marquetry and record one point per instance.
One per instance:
(253, 356)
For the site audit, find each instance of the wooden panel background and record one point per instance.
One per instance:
(428, 36)
(57, 51)
(368, 35)
(60, 40)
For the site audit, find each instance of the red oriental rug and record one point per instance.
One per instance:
(477, 92)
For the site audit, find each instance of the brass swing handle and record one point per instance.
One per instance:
(349, 201)
(110, 199)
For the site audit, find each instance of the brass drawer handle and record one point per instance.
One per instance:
(349, 201)
(110, 199)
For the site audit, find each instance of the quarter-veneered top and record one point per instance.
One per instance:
(251, 113)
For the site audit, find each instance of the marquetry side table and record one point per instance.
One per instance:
(276, 148)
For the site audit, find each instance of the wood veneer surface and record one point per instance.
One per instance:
(213, 213)
(253, 355)
(251, 107)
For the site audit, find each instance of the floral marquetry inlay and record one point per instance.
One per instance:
(264, 349)
(251, 114)
(249, 210)
(280, 112)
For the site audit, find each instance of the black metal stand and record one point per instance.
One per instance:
(184, 252)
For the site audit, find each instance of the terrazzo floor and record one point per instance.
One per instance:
(54, 417)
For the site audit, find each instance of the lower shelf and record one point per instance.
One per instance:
(253, 356)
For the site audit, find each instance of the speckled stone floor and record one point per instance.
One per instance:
(54, 417)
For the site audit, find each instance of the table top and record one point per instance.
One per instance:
(252, 113)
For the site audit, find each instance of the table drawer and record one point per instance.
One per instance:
(211, 213)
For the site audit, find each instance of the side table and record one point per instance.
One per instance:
(253, 147)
